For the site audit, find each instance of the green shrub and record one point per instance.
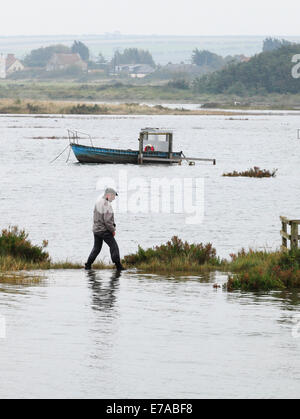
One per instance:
(15, 243)
(264, 271)
(174, 249)
(253, 172)
(290, 260)
(179, 84)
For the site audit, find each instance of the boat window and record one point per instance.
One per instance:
(155, 137)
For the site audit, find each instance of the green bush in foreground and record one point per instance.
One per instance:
(175, 249)
(15, 243)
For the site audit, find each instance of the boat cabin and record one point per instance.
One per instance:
(155, 139)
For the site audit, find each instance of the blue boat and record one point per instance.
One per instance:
(155, 147)
(86, 154)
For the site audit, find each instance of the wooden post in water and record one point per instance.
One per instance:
(284, 233)
(293, 237)
(141, 142)
(170, 140)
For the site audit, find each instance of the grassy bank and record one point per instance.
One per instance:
(109, 91)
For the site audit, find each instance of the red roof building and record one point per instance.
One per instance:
(64, 61)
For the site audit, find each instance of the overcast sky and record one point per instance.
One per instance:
(175, 17)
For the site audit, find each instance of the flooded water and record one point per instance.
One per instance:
(141, 336)
(55, 201)
(75, 335)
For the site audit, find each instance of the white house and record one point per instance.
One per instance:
(9, 64)
(13, 64)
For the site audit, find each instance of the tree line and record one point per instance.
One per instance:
(267, 72)
(39, 57)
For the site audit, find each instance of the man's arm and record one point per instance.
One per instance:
(109, 221)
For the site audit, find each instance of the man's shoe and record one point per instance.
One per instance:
(87, 267)
(120, 267)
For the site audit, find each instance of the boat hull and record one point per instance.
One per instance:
(85, 154)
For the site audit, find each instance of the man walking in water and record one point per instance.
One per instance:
(105, 229)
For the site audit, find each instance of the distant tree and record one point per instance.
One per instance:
(133, 56)
(39, 57)
(268, 72)
(179, 83)
(273, 43)
(206, 58)
(81, 49)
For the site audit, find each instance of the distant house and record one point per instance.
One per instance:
(2, 66)
(9, 64)
(13, 64)
(65, 61)
(134, 70)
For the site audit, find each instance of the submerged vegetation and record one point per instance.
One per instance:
(253, 172)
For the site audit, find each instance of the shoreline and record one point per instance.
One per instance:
(115, 92)
(45, 108)
(249, 271)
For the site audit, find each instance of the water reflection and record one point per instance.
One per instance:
(103, 291)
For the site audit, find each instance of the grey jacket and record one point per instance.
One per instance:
(103, 217)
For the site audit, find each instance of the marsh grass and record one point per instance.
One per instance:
(251, 270)
(12, 264)
(40, 107)
(261, 270)
(31, 88)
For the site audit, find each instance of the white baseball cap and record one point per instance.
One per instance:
(111, 191)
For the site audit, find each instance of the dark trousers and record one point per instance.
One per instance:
(110, 241)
